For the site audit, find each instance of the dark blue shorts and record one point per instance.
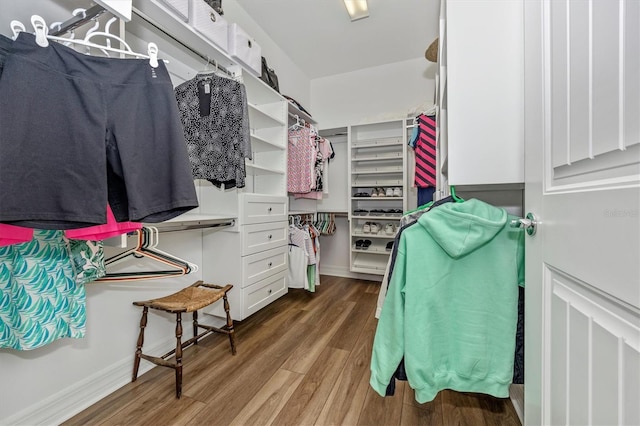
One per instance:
(78, 131)
(5, 49)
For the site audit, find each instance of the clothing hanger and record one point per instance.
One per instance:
(43, 37)
(155, 234)
(16, 28)
(145, 247)
(452, 191)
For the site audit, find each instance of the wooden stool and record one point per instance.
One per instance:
(190, 299)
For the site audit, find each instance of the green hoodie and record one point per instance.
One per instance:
(452, 303)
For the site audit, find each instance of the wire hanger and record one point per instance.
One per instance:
(43, 37)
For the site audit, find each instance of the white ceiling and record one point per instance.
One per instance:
(320, 38)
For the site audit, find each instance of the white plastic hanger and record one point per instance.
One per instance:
(43, 37)
(16, 28)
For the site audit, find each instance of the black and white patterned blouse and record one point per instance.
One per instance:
(215, 117)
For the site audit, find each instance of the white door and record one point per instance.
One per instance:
(582, 156)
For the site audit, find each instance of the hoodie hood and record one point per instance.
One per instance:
(460, 228)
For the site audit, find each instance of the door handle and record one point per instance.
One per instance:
(529, 223)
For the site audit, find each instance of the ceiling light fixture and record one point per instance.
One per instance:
(357, 9)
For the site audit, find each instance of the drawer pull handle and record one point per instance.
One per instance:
(270, 209)
(270, 291)
(270, 264)
(270, 236)
(212, 16)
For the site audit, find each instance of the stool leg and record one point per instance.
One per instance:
(178, 355)
(230, 325)
(136, 361)
(195, 326)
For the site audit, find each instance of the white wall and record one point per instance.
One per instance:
(374, 94)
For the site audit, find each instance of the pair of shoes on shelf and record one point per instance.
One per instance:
(393, 212)
(363, 244)
(360, 212)
(371, 228)
(389, 229)
(377, 192)
(362, 194)
(389, 246)
(395, 192)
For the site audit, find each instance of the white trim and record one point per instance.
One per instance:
(68, 402)
(339, 271)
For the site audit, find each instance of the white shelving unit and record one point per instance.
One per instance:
(250, 254)
(377, 159)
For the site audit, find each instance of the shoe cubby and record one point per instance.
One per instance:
(377, 173)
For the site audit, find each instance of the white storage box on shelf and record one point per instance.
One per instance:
(209, 23)
(245, 49)
(180, 8)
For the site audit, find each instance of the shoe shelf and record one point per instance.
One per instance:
(377, 164)
(377, 198)
(380, 235)
(378, 157)
(377, 170)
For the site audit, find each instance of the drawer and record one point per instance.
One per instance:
(180, 8)
(207, 21)
(245, 49)
(263, 236)
(260, 294)
(261, 265)
(256, 209)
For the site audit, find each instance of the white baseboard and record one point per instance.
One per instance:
(68, 402)
(337, 271)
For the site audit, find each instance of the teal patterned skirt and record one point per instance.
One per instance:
(40, 300)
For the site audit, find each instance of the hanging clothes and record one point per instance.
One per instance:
(454, 323)
(301, 160)
(215, 117)
(306, 237)
(425, 152)
(5, 50)
(124, 145)
(324, 152)
(297, 267)
(40, 300)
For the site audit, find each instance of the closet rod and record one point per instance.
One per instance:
(169, 227)
(78, 21)
(206, 58)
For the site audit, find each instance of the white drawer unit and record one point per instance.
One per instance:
(263, 236)
(258, 266)
(260, 209)
(209, 23)
(245, 49)
(263, 292)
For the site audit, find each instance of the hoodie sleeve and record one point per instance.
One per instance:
(388, 344)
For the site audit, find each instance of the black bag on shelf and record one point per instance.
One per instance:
(269, 76)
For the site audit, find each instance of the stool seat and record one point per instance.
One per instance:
(190, 299)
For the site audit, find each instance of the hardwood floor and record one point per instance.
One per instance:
(303, 360)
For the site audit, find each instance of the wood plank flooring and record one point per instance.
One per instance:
(303, 360)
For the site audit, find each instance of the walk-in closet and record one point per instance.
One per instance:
(356, 212)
